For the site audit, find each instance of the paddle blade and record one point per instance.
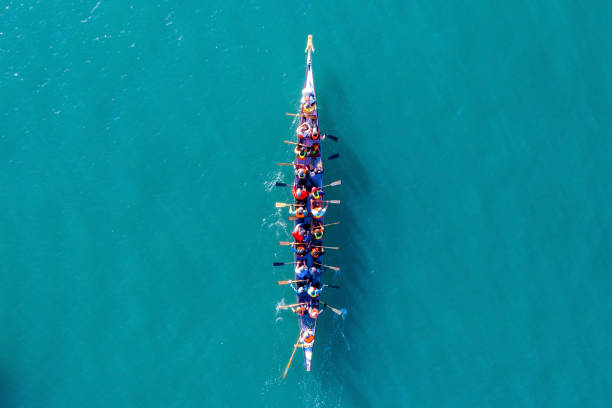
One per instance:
(281, 205)
(279, 184)
(285, 282)
(332, 137)
(285, 243)
(278, 263)
(336, 183)
(333, 156)
(333, 201)
(333, 286)
(292, 218)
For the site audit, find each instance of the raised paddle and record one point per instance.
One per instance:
(333, 156)
(333, 309)
(297, 343)
(333, 268)
(332, 137)
(282, 263)
(333, 183)
(286, 282)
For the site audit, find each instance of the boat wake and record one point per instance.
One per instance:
(275, 222)
(269, 185)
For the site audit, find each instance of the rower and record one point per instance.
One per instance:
(314, 150)
(315, 274)
(317, 251)
(317, 232)
(299, 233)
(299, 249)
(298, 211)
(316, 209)
(314, 311)
(301, 151)
(300, 173)
(314, 290)
(316, 193)
(302, 272)
(299, 192)
(304, 130)
(300, 310)
(314, 170)
(307, 338)
(315, 133)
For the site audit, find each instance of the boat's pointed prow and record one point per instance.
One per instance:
(309, 46)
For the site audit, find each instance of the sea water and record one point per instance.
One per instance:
(138, 143)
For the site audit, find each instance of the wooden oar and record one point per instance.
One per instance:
(298, 114)
(285, 164)
(286, 282)
(333, 309)
(295, 304)
(333, 223)
(297, 343)
(282, 263)
(293, 143)
(283, 205)
(333, 183)
(334, 268)
(326, 247)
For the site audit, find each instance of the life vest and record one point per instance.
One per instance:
(301, 173)
(300, 251)
(296, 233)
(315, 149)
(301, 214)
(302, 196)
(314, 313)
(315, 135)
(302, 153)
(318, 212)
(316, 252)
(308, 338)
(301, 310)
(318, 232)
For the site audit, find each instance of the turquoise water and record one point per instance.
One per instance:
(137, 150)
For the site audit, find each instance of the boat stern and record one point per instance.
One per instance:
(307, 357)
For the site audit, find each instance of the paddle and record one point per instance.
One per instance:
(333, 309)
(333, 156)
(332, 137)
(286, 282)
(283, 205)
(288, 306)
(285, 164)
(292, 354)
(331, 286)
(333, 183)
(293, 143)
(333, 268)
(329, 201)
(333, 223)
(296, 114)
(286, 243)
(279, 184)
(282, 263)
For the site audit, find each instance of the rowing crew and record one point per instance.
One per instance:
(308, 288)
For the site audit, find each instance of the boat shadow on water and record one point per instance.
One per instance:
(347, 345)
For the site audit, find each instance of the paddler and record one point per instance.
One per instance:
(317, 232)
(307, 338)
(317, 210)
(314, 311)
(317, 251)
(299, 192)
(314, 150)
(314, 170)
(316, 193)
(304, 130)
(299, 249)
(301, 151)
(299, 232)
(301, 172)
(314, 290)
(300, 310)
(299, 211)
